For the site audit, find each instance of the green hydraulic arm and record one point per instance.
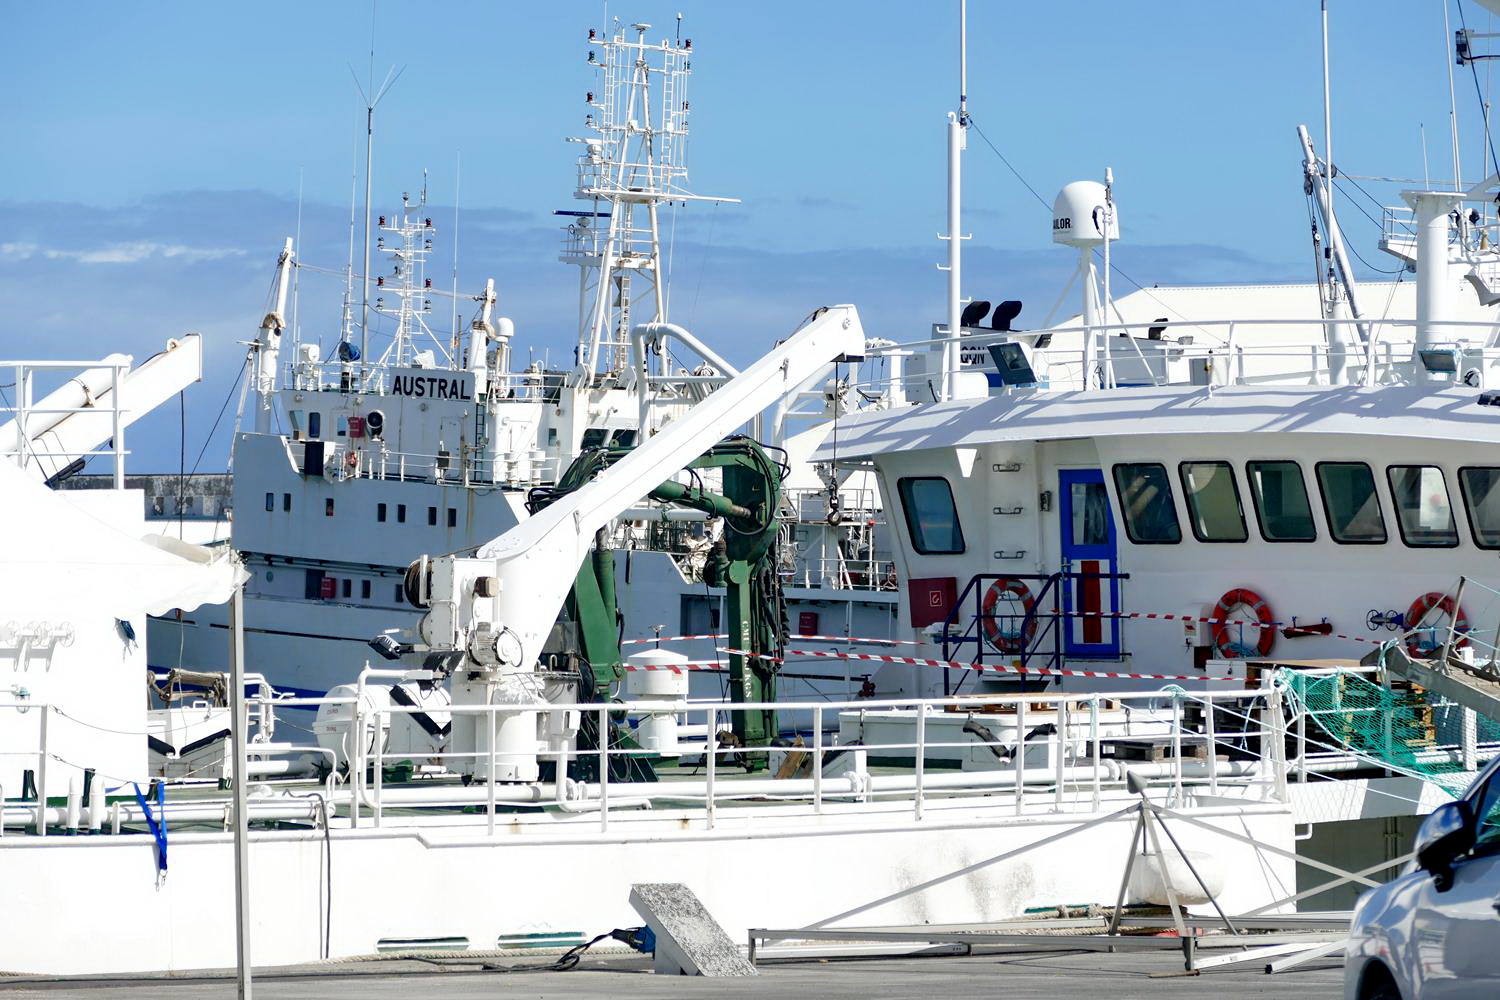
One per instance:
(743, 562)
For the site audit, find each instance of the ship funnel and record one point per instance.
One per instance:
(1079, 214)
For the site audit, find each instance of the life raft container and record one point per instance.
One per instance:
(1004, 641)
(1425, 605)
(1227, 633)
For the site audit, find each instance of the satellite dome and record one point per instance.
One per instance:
(1078, 216)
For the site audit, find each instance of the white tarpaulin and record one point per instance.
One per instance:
(57, 557)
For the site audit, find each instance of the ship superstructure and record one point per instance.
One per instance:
(356, 464)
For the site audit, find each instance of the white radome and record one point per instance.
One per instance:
(1078, 216)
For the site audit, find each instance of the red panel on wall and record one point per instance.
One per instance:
(932, 598)
(807, 623)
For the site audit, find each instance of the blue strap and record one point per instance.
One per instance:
(158, 829)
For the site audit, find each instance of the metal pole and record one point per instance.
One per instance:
(921, 749)
(364, 318)
(241, 837)
(1327, 128)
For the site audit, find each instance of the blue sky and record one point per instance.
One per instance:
(155, 152)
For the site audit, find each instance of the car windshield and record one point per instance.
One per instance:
(1487, 829)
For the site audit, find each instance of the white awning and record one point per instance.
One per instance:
(56, 558)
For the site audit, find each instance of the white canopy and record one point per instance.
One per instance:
(57, 557)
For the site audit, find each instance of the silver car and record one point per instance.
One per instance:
(1435, 931)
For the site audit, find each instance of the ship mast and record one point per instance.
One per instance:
(408, 244)
(634, 160)
(958, 140)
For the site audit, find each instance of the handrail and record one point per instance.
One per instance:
(974, 632)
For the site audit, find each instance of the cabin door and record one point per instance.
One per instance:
(1090, 628)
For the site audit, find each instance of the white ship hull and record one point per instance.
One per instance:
(523, 881)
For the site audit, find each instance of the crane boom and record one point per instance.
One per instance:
(533, 565)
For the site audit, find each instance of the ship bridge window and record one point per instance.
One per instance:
(1281, 505)
(1146, 501)
(1351, 503)
(1481, 487)
(1423, 511)
(1213, 498)
(931, 517)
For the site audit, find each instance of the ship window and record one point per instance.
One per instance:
(343, 426)
(364, 589)
(286, 502)
(594, 437)
(314, 424)
(1481, 487)
(1351, 503)
(452, 518)
(380, 512)
(432, 516)
(1213, 499)
(400, 594)
(401, 513)
(347, 586)
(328, 507)
(1146, 501)
(270, 501)
(931, 518)
(1281, 505)
(1423, 511)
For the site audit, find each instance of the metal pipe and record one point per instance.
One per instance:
(240, 778)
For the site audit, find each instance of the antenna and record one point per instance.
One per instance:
(371, 98)
(297, 273)
(457, 173)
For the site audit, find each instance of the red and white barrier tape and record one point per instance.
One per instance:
(996, 667)
(805, 638)
(677, 668)
(1201, 620)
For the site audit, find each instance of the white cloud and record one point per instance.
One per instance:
(17, 251)
(135, 252)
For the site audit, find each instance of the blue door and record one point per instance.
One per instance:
(1090, 628)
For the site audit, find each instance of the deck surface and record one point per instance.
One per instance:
(1055, 976)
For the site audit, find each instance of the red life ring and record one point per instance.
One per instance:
(1422, 606)
(1008, 642)
(1225, 633)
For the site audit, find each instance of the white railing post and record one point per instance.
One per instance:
(357, 756)
(1211, 734)
(1060, 744)
(378, 766)
(817, 775)
(1018, 759)
(119, 430)
(41, 775)
(1302, 746)
(489, 748)
(1470, 740)
(1094, 745)
(713, 756)
(603, 769)
(1278, 743)
(1177, 746)
(921, 754)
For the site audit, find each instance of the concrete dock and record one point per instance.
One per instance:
(1051, 975)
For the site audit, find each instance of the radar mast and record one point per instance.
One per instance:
(634, 160)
